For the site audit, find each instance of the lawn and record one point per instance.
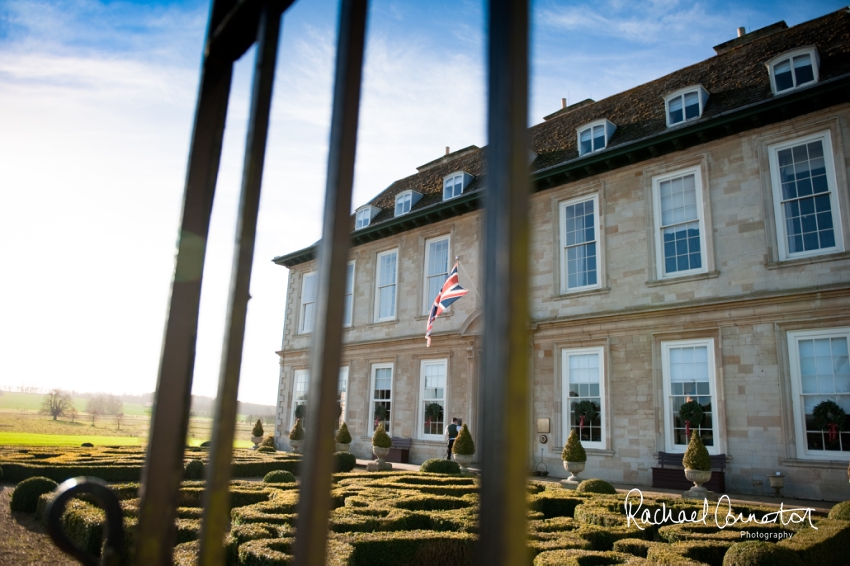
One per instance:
(27, 439)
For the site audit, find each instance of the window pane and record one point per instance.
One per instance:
(584, 142)
(387, 268)
(782, 75)
(676, 114)
(580, 232)
(691, 105)
(803, 72)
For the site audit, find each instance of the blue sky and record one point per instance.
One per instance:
(96, 107)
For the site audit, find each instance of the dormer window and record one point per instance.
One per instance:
(685, 104)
(364, 216)
(793, 69)
(405, 201)
(594, 136)
(454, 184)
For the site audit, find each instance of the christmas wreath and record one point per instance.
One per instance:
(585, 409)
(301, 411)
(380, 413)
(433, 411)
(829, 416)
(691, 412)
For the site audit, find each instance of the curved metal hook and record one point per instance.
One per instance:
(107, 499)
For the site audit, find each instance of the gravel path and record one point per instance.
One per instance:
(22, 538)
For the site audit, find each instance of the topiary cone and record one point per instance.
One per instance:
(297, 432)
(381, 439)
(342, 435)
(258, 429)
(696, 456)
(463, 443)
(573, 450)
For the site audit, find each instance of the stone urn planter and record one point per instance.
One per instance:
(379, 465)
(296, 444)
(699, 477)
(777, 482)
(463, 461)
(574, 468)
(342, 447)
(256, 440)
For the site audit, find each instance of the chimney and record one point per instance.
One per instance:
(563, 103)
(448, 150)
(742, 32)
(745, 38)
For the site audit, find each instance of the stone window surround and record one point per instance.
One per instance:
(557, 438)
(657, 338)
(566, 194)
(789, 425)
(789, 132)
(301, 318)
(702, 161)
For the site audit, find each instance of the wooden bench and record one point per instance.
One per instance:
(674, 477)
(399, 451)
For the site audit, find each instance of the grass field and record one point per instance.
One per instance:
(22, 427)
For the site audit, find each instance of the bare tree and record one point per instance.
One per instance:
(55, 403)
(119, 419)
(95, 408)
(71, 413)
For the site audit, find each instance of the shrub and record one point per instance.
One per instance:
(381, 439)
(760, 553)
(573, 450)
(463, 443)
(696, 456)
(595, 485)
(258, 429)
(342, 435)
(344, 461)
(267, 449)
(194, 470)
(439, 466)
(279, 476)
(268, 441)
(26, 494)
(841, 511)
(206, 444)
(297, 432)
(87, 445)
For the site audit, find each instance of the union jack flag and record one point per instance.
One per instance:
(450, 292)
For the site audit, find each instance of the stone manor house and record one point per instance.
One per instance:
(690, 240)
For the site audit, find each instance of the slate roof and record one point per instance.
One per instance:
(735, 79)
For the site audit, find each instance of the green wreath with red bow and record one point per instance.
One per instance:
(692, 413)
(585, 412)
(828, 416)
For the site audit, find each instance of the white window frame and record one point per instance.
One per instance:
(363, 217)
(306, 323)
(305, 373)
(607, 129)
(342, 393)
(348, 314)
(702, 98)
(562, 208)
(426, 308)
(660, 262)
(776, 186)
(401, 199)
(421, 412)
(452, 180)
(378, 286)
(794, 337)
(809, 50)
(669, 417)
(566, 423)
(370, 413)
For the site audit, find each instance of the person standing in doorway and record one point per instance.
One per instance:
(449, 435)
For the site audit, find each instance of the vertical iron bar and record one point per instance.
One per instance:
(216, 514)
(316, 470)
(504, 386)
(163, 469)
